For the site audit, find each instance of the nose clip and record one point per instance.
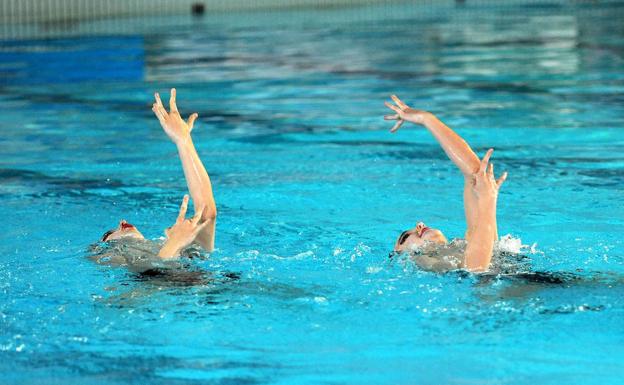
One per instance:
(125, 225)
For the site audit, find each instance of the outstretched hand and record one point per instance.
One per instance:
(485, 187)
(404, 113)
(172, 123)
(183, 232)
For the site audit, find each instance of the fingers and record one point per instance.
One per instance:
(203, 225)
(172, 101)
(183, 208)
(396, 126)
(393, 107)
(491, 170)
(502, 179)
(158, 101)
(398, 102)
(391, 117)
(159, 110)
(191, 120)
(198, 216)
(158, 113)
(200, 227)
(485, 160)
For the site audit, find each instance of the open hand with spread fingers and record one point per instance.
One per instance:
(484, 186)
(176, 128)
(183, 232)
(404, 113)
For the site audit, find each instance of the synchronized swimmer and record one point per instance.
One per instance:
(480, 197)
(200, 229)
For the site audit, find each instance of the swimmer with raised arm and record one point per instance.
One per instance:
(480, 197)
(184, 232)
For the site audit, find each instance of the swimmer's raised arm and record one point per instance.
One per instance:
(481, 231)
(453, 145)
(183, 232)
(485, 189)
(197, 178)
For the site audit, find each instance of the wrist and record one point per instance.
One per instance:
(426, 118)
(486, 202)
(169, 250)
(184, 142)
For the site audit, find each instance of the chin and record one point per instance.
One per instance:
(135, 235)
(436, 236)
(128, 235)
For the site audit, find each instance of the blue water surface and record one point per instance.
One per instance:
(312, 191)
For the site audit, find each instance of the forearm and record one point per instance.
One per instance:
(483, 236)
(197, 179)
(453, 145)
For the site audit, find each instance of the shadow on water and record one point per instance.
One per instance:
(186, 280)
(147, 276)
(29, 183)
(513, 288)
(32, 181)
(99, 366)
(548, 293)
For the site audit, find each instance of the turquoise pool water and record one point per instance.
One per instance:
(312, 192)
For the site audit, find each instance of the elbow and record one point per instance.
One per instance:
(436, 236)
(211, 215)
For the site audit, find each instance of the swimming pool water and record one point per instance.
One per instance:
(312, 192)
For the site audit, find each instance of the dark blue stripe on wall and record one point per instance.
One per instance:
(72, 60)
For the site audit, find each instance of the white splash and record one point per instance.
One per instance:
(359, 250)
(510, 244)
(373, 269)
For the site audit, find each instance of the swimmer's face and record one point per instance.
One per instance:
(124, 230)
(417, 236)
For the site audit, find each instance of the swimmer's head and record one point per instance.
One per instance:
(417, 236)
(124, 230)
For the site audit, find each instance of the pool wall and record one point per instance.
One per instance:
(28, 19)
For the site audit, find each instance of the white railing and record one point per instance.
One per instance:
(50, 18)
(21, 19)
